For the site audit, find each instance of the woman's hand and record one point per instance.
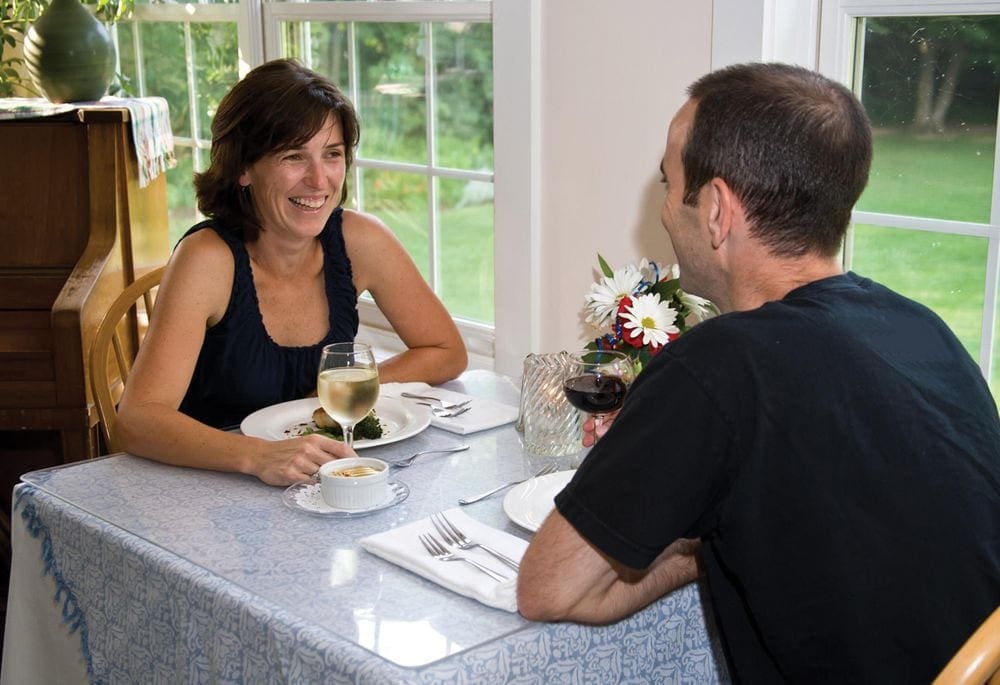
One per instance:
(285, 462)
(594, 427)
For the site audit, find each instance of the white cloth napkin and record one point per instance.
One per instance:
(402, 547)
(483, 414)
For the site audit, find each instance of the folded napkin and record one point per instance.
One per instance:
(483, 414)
(402, 547)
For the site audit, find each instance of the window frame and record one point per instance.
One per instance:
(516, 166)
(838, 58)
(821, 34)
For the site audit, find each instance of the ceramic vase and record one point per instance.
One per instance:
(69, 54)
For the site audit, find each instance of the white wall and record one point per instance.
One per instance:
(612, 75)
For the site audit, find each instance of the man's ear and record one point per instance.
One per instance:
(719, 203)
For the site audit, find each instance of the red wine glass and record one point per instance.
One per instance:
(596, 380)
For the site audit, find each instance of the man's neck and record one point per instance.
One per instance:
(771, 278)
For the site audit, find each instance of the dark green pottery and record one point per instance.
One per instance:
(69, 54)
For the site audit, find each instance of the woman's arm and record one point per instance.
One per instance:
(382, 266)
(194, 295)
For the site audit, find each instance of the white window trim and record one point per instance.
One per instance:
(517, 163)
(517, 150)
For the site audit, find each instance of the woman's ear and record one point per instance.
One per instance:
(245, 179)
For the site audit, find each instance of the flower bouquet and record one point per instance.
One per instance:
(643, 307)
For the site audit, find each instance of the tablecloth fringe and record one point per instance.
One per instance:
(72, 615)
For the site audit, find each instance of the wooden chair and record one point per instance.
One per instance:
(978, 660)
(120, 331)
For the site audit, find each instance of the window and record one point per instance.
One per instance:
(421, 75)
(424, 94)
(928, 224)
(187, 54)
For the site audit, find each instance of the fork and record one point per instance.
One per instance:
(403, 463)
(444, 404)
(440, 552)
(542, 472)
(443, 413)
(452, 535)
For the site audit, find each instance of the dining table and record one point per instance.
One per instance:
(127, 570)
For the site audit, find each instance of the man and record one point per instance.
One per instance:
(830, 443)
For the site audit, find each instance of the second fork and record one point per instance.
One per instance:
(441, 553)
(452, 535)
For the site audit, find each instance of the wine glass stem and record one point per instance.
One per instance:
(349, 435)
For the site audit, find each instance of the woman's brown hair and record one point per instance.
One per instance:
(277, 106)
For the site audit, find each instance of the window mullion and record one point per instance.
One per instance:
(987, 340)
(192, 84)
(433, 216)
(140, 70)
(353, 79)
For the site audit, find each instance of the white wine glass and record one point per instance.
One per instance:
(596, 380)
(347, 384)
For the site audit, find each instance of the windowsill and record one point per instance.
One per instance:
(376, 331)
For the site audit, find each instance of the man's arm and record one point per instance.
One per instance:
(563, 577)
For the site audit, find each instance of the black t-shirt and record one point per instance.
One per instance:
(838, 452)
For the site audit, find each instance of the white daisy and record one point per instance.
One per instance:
(604, 296)
(699, 306)
(651, 318)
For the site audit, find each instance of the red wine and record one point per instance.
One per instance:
(595, 393)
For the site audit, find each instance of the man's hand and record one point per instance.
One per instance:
(595, 427)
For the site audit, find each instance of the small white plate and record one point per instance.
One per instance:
(400, 420)
(529, 503)
(306, 496)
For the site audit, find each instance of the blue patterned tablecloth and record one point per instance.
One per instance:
(166, 574)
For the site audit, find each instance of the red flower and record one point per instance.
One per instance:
(634, 337)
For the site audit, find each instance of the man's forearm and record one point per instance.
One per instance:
(563, 577)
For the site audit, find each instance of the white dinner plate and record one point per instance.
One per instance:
(400, 420)
(529, 503)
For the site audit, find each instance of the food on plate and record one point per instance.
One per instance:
(368, 428)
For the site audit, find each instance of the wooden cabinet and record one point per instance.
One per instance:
(75, 228)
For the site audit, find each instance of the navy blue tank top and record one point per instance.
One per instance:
(240, 368)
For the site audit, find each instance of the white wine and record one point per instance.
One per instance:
(348, 393)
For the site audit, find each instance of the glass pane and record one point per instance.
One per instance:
(182, 210)
(945, 272)
(466, 217)
(216, 65)
(994, 379)
(930, 87)
(400, 200)
(126, 59)
(322, 45)
(463, 65)
(392, 103)
(165, 69)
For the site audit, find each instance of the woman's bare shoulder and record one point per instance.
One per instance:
(201, 269)
(361, 226)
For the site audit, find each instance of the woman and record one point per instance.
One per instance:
(250, 296)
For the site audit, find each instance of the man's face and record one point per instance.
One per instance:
(690, 239)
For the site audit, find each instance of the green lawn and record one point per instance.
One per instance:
(938, 177)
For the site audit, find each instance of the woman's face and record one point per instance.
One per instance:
(296, 190)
